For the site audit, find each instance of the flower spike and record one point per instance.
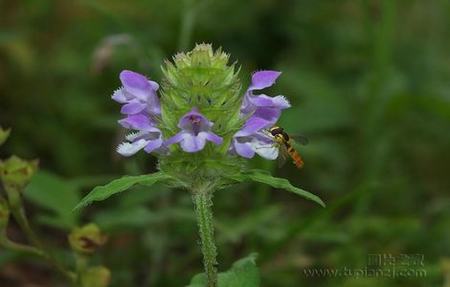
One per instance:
(200, 101)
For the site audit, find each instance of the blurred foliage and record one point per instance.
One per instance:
(57, 197)
(369, 81)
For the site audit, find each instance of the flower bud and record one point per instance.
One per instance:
(98, 276)
(86, 239)
(16, 173)
(4, 134)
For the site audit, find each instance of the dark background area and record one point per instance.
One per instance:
(369, 82)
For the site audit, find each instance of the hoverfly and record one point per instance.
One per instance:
(285, 145)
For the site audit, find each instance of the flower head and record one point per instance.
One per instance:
(200, 101)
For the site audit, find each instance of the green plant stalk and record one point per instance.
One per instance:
(17, 247)
(202, 198)
(187, 25)
(19, 216)
(81, 263)
(18, 213)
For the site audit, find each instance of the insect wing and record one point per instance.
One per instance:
(300, 139)
(283, 156)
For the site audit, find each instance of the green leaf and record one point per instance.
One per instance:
(243, 273)
(122, 219)
(55, 194)
(4, 134)
(105, 191)
(264, 177)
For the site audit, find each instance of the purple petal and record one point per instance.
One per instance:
(191, 143)
(128, 149)
(175, 139)
(252, 125)
(263, 79)
(194, 120)
(154, 85)
(271, 115)
(153, 105)
(133, 107)
(195, 131)
(263, 138)
(267, 151)
(136, 122)
(119, 96)
(281, 102)
(265, 101)
(134, 136)
(133, 80)
(243, 149)
(212, 137)
(153, 145)
(151, 133)
(136, 84)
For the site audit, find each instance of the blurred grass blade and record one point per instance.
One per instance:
(264, 177)
(105, 191)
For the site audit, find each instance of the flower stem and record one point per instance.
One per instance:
(202, 198)
(17, 247)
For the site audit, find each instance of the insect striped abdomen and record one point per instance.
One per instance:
(297, 159)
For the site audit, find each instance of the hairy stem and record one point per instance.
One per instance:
(202, 198)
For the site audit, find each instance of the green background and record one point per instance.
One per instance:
(369, 82)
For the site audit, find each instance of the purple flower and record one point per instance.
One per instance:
(262, 112)
(138, 94)
(195, 131)
(252, 139)
(263, 106)
(141, 106)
